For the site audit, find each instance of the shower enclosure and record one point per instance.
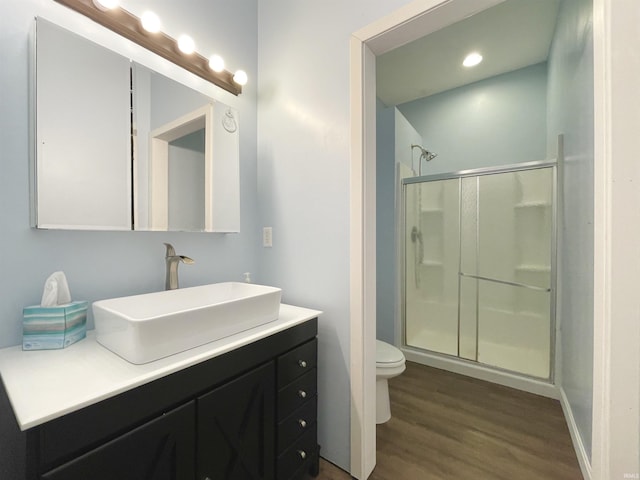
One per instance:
(479, 270)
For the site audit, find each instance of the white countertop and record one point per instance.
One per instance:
(46, 384)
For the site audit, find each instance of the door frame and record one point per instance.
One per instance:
(410, 22)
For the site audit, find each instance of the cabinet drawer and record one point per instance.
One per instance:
(297, 423)
(296, 393)
(301, 453)
(297, 362)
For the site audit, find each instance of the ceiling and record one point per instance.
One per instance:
(511, 35)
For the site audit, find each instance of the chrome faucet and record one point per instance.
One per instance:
(172, 260)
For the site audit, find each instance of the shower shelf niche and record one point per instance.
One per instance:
(534, 268)
(540, 204)
(432, 263)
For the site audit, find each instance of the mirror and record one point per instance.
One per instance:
(121, 147)
(186, 150)
(83, 141)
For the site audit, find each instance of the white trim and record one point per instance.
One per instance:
(417, 19)
(616, 370)
(358, 430)
(602, 248)
(578, 445)
(201, 118)
(198, 119)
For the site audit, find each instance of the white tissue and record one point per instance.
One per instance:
(56, 291)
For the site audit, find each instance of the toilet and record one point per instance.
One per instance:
(389, 364)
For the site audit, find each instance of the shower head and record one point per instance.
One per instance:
(424, 153)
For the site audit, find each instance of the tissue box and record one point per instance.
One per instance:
(47, 328)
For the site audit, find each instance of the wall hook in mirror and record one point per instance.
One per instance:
(229, 122)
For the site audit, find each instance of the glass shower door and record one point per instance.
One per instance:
(478, 257)
(506, 270)
(431, 265)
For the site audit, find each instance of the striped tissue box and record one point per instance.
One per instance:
(47, 328)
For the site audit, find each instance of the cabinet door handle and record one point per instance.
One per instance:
(302, 394)
(302, 454)
(302, 363)
(302, 423)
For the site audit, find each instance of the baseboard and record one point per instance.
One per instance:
(578, 445)
(471, 369)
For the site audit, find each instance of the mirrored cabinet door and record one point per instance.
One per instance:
(119, 146)
(83, 142)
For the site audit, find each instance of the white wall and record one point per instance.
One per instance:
(107, 264)
(497, 121)
(570, 112)
(303, 177)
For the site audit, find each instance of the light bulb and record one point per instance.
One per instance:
(186, 44)
(150, 22)
(106, 4)
(472, 59)
(216, 63)
(240, 77)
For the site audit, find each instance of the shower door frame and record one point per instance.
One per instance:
(402, 271)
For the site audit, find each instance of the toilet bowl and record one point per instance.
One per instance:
(389, 364)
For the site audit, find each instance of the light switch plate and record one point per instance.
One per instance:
(267, 237)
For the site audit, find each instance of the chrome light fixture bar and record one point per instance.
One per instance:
(129, 26)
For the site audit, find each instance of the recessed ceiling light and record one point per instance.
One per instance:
(472, 59)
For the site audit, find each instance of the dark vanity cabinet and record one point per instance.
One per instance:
(247, 414)
(297, 449)
(159, 449)
(236, 428)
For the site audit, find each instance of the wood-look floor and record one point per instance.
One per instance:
(446, 426)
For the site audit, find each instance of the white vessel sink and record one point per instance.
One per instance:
(144, 328)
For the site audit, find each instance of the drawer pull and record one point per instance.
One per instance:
(302, 363)
(302, 394)
(302, 423)
(302, 454)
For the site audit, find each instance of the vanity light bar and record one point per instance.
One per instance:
(128, 25)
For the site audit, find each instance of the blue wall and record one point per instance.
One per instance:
(497, 121)
(394, 137)
(303, 178)
(385, 222)
(571, 113)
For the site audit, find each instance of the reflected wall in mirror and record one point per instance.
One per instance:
(120, 147)
(186, 159)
